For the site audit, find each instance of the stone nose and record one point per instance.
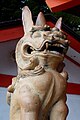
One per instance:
(67, 41)
(48, 37)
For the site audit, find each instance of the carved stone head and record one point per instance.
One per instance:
(41, 44)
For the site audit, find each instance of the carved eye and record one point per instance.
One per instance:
(27, 50)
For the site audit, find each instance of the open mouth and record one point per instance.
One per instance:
(56, 48)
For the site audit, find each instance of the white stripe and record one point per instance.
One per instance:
(74, 55)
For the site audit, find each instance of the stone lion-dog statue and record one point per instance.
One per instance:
(38, 92)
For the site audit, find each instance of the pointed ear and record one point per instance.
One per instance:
(59, 23)
(40, 20)
(27, 19)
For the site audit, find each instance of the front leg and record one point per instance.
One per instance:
(28, 115)
(59, 110)
(29, 104)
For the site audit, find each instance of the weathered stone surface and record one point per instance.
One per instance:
(38, 92)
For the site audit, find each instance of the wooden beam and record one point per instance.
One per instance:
(5, 80)
(60, 5)
(17, 33)
(73, 88)
(11, 33)
(73, 61)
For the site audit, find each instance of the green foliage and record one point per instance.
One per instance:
(11, 10)
(36, 6)
(70, 20)
(8, 9)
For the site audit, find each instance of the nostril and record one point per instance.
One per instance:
(53, 37)
(44, 36)
(50, 37)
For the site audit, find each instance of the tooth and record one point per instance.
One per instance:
(46, 46)
(62, 46)
(57, 45)
(45, 51)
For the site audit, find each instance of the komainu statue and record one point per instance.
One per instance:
(38, 92)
